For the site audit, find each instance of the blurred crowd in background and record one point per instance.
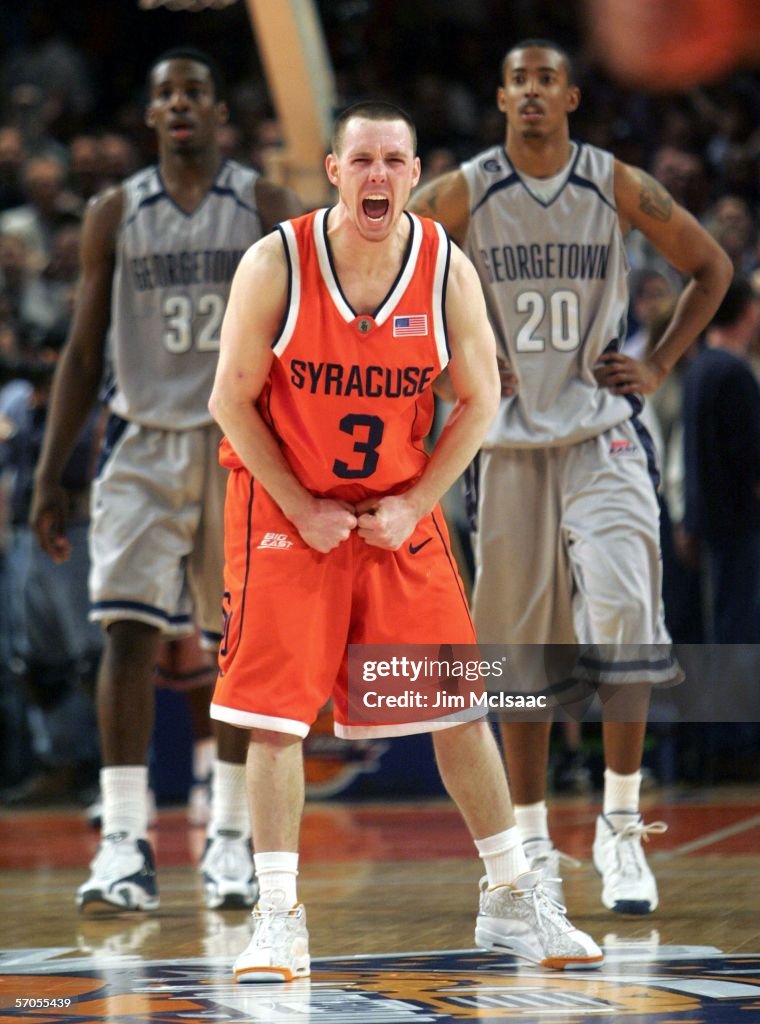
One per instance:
(71, 123)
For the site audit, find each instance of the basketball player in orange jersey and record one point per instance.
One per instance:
(336, 328)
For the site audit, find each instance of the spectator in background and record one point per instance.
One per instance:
(48, 203)
(85, 166)
(54, 650)
(24, 301)
(682, 175)
(681, 582)
(229, 138)
(59, 278)
(651, 292)
(445, 112)
(721, 413)
(732, 225)
(12, 156)
(119, 157)
(50, 62)
(682, 172)
(15, 753)
(731, 111)
(438, 161)
(268, 154)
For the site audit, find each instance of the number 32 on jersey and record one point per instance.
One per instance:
(186, 321)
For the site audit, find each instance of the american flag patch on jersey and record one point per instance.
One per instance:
(410, 326)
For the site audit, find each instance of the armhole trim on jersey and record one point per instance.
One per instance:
(581, 181)
(508, 182)
(221, 190)
(440, 282)
(234, 180)
(293, 301)
(407, 271)
(469, 171)
(139, 191)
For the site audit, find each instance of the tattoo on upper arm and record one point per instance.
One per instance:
(654, 200)
(428, 202)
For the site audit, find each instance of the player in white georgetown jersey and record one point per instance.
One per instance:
(158, 256)
(567, 542)
(171, 280)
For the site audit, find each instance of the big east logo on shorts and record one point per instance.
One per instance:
(278, 541)
(622, 448)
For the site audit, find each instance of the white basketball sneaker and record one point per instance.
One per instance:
(228, 874)
(522, 920)
(123, 877)
(628, 885)
(279, 947)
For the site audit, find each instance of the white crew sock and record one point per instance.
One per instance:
(277, 874)
(621, 793)
(503, 856)
(229, 801)
(124, 791)
(204, 752)
(532, 821)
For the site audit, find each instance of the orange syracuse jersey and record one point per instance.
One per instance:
(349, 395)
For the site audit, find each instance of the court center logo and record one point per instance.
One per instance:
(674, 984)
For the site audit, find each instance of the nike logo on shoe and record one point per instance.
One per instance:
(414, 548)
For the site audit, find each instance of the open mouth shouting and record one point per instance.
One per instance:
(375, 207)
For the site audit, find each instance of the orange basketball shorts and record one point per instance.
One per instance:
(290, 612)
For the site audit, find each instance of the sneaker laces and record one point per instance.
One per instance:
(271, 926)
(627, 850)
(544, 905)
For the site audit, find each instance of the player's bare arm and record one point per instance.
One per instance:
(444, 389)
(254, 313)
(79, 372)
(447, 200)
(474, 377)
(276, 203)
(644, 204)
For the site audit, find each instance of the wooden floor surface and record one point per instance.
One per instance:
(381, 879)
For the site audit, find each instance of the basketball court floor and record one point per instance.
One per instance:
(391, 894)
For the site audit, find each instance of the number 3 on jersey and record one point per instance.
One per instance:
(563, 321)
(179, 316)
(368, 431)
